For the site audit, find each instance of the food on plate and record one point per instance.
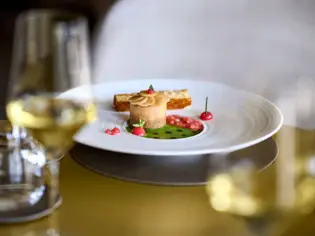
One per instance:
(147, 117)
(113, 131)
(167, 132)
(184, 122)
(206, 115)
(138, 129)
(178, 99)
(148, 107)
(151, 90)
(177, 127)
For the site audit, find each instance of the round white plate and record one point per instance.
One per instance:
(241, 119)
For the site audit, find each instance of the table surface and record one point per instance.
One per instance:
(96, 205)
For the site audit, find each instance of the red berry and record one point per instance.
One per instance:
(206, 115)
(150, 91)
(139, 131)
(138, 128)
(115, 131)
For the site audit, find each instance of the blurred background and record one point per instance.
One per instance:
(266, 47)
(93, 9)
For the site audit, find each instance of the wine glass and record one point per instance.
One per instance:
(266, 201)
(21, 174)
(50, 57)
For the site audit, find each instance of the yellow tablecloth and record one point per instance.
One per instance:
(96, 205)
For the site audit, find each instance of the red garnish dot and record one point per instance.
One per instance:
(206, 115)
(138, 129)
(115, 131)
(150, 90)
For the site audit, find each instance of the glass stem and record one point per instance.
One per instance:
(256, 230)
(18, 132)
(260, 227)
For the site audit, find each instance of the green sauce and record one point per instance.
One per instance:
(168, 132)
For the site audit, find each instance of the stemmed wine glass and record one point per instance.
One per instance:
(50, 57)
(266, 201)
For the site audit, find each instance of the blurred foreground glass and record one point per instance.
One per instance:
(266, 201)
(22, 174)
(28, 180)
(51, 56)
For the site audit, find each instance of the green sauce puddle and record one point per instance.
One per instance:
(168, 132)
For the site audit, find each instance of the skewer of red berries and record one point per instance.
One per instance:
(138, 128)
(206, 115)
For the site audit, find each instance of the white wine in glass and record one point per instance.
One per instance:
(51, 56)
(267, 201)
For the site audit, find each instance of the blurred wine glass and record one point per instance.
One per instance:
(51, 56)
(22, 182)
(267, 201)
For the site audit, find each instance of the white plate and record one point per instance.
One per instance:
(241, 119)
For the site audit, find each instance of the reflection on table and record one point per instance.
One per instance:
(96, 205)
